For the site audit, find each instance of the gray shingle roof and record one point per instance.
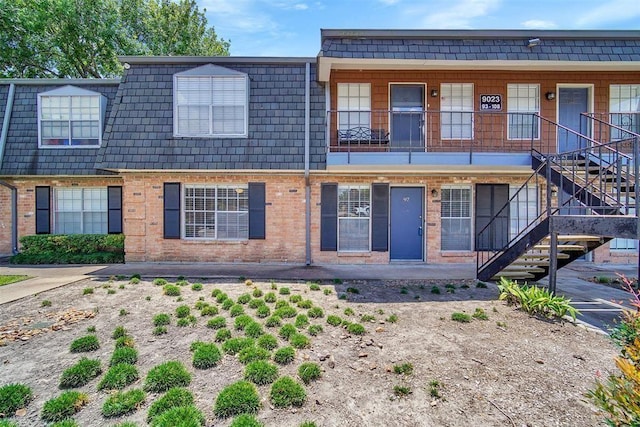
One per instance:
(22, 155)
(139, 134)
(4, 90)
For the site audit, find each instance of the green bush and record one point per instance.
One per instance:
(244, 298)
(261, 372)
(270, 297)
(161, 319)
(257, 293)
(315, 312)
(174, 397)
(85, 344)
(236, 310)
(285, 312)
(286, 392)
(69, 422)
(180, 416)
(63, 406)
(80, 373)
(403, 369)
(284, 291)
(267, 341)
(118, 332)
(118, 377)
(182, 311)
(334, 320)
(123, 402)
(167, 375)
(171, 290)
(124, 355)
(219, 296)
(217, 322)
(299, 341)
(70, 249)
(273, 322)
(14, 397)
(241, 321)
(238, 398)
(263, 311)
(460, 317)
(302, 321)
(287, 330)
(256, 303)
(284, 355)
(206, 355)
(246, 420)
(306, 304)
(222, 335)
(234, 345)
(159, 281)
(196, 287)
(253, 329)
(7, 423)
(309, 371)
(295, 298)
(356, 329)
(227, 304)
(126, 341)
(535, 300)
(209, 310)
(252, 353)
(315, 330)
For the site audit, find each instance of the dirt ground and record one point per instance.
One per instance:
(509, 370)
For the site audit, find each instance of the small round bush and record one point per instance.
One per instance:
(209, 310)
(174, 397)
(282, 303)
(123, 402)
(118, 377)
(200, 304)
(187, 321)
(126, 341)
(287, 330)
(87, 291)
(286, 312)
(253, 329)
(238, 398)
(13, 397)
(234, 345)
(314, 286)
(263, 311)
(84, 344)
(261, 372)
(134, 281)
(63, 406)
(217, 322)
(270, 297)
(315, 312)
(267, 341)
(124, 355)
(196, 287)
(273, 322)
(284, 291)
(159, 281)
(80, 373)
(257, 293)
(171, 290)
(159, 330)
(244, 298)
(299, 341)
(246, 420)
(180, 416)
(182, 282)
(182, 311)
(295, 298)
(220, 296)
(356, 329)
(206, 355)
(286, 392)
(305, 304)
(194, 345)
(284, 355)
(308, 424)
(161, 319)
(167, 375)
(253, 353)
(227, 304)
(314, 330)
(68, 422)
(309, 371)
(222, 335)
(257, 302)
(241, 321)
(302, 321)
(118, 332)
(236, 310)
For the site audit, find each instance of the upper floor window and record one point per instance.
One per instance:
(70, 116)
(523, 101)
(211, 101)
(456, 103)
(354, 105)
(624, 108)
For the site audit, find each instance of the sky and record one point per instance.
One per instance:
(292, 27)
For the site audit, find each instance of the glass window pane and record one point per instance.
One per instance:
(523, 101)
(455, 213)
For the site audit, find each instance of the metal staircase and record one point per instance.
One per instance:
(589, 198)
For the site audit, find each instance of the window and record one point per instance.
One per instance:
(457, 110)
(523, 209)
(354, 213)
(354, 105)
(211, 101)
(216, 212)
(70, 116)
(624, 107)
(455, 213)
(523, 100)
(80, 211)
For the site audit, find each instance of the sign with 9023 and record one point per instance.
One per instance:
(490, 102)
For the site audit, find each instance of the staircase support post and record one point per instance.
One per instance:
(553, 261)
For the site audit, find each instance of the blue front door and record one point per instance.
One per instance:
(571, 103)
(406, 223)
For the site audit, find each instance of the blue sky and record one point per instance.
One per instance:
(292, 27)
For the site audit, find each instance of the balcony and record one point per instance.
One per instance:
(401, 138)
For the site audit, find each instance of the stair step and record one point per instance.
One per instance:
(575, 248)
(544, 255)
(512, 275)
(531, 262)
(575, 238)
(522, 269)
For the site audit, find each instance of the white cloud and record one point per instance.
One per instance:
(609, 12)
(233, 16)
(389, 2)
(301, 6)
(459, 14)
(539, 24)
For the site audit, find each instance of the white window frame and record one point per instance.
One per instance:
(468, 187)
(623, 98)
(523, 98)
(72, 95)
(356, 211)
(353, 99)
(210, 231)
(215, 98)
(524, 209)
(451, 104)
(83, 210)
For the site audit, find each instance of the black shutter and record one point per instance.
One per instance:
(172, 210)
(43, 210)
(329, 217)
(114, 203)
(380, 218)
(257, 221)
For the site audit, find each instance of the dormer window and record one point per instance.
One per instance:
(211, 101)
(70, 117)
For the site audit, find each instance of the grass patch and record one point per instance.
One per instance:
(309, 371)
(299, 341)
(7, 279)
(349, 311)
(167, 375)
(367, 318)
(206, 355)
(171, 290)
(460, 317)
(480, 314)
(267, 341)
(85, 344)
(294, 299)
(235, 345)
(273, 322)
(284, 355)
(63, 406)
(286, 392)
(14, 397)
(180, 416)
(238, 398)
(236, 310)
(242, 321)
(401, 390)
(252, 353)
(209, 310)
(245, 420)
(161, 319)
(119, 332)
(392, 319)
(315, 312)
(403, 369)
(435, 290)
(356, 329)
(270, 297)
(127, 355)
(85, 291)
(284, 291)
(244, 299)
(305, 304)
(261, 372)
(315, 330)
(257, 293)
(118, 377)
(253, 330)
(222, 335)
(217, 322)
(196, 287)
(256, 302)
(183, 311)
(302, 321)
(263, 311)
(121, 403)
(314, 286)
(80, 373)
(286, 331)
(334, 320)
(227, 304)
(159, 330)
(125, 341)
(173, 398)
(285, 312)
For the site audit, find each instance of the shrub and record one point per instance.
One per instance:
(315, 312)
(118, 332)
(91, 329)
(159, 330)
(167, 375)
(460, 317)
(217, 322)
(123, 402)
(535, 300)
(227, 304)
(244, 298)
(159, 281)
(480, 314)
(401, 390)
(134, 281)
(286, 312)
(263, 311)
(118, 377)
(257, 302)
(209, 310)
(252, 353)
(302, 321)
(125, 341)
(334, 320)
(200, 304)
(196, 287)
(182, 311)
(403, 369)
(308, 424)
(284, 355)
(282, 303)
(257, 293)
(242, 321)
(253, 329)
(299, 341)
(206, 356)
(87, 291)
(124, 355)
(273, 322)
(80, 373)
(286, 392)
(356, 329)
(174, 397)
(171, 290)
(270, 297)
(234, 345)
(238, 398)
(181, 281)
(309, 371)
(180, 416)
(63, 406)
(314, 286)
(314, 330)
(219, 295)
(261, 372)
(161, 319)
(267, 341)
(84, 344)
(287, 330)
(245, 420)
(284, 291)
(70, 249)
(349, 311)
(68, 422)
(326, 291)
(236, 310)
(306, 304)
(392, 319)
(295, 298)
(14, 397)
(223, 334)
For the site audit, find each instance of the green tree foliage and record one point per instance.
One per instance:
(83, 38)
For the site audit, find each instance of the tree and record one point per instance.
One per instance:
(83, 38)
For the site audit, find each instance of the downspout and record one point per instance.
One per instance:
(14, 190)
(307, 182)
